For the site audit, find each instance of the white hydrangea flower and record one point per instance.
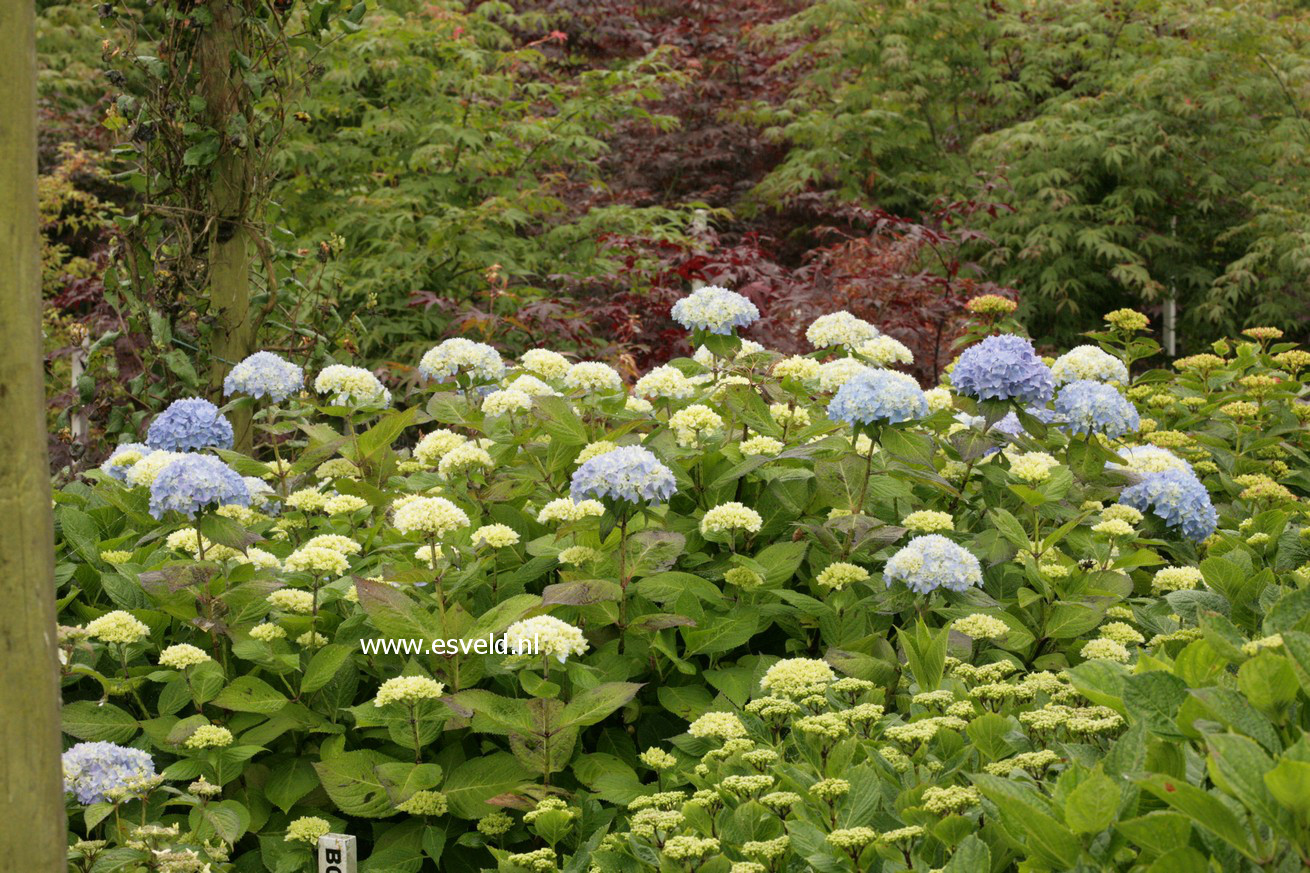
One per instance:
(883, 351)
(479, 361)
(1089, 362)
(495, 536)
(835, 374)
(731, 516)
(839, 329)
(593, 376)
(430, 516)
(545, 635)
(545, 363)
(434, 446)
(664, 382)
(507, 401)
(349, 386)
(565, 509)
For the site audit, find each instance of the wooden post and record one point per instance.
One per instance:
(227, 98)
(32, 829)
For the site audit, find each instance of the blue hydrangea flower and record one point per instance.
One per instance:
(264, 374)
(876, 395)
(189, 425)
(629, 473)
(1091, 407)
(261, 494)
(1003, 367)
(1178, 498)
(123, 457)
(932, 561)
(92, 770)
(194, 482)
(714, 309)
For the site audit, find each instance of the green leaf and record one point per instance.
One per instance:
(667, 587)
(1154, 698)
(1010, 528)
(1024, 812)
(323, 666)
(1204, 809)
(1101, 682)
(653, 551)
(925, 651)
(560, 421)
(581, 592)
(1237, 765)
(94, 722)
(79, 530)
(226, 532)
(471, 784)
(596, 703)
(250, 694)
(780, 561)
(289, 780)
(1157, 832)
(971, 856)
(403, 779)
(988, 732)
(380, 436)
(1093, 804)
(1289, 783)
(505, 715)
(352, 781)
(1069, 620)
(1268, 682)
(723, 634)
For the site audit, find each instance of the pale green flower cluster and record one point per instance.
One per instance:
(182, 655)
(318, 560)
(209, 736)
(563, 509)
(981, 627)
(408, 690)
(1033, 467)
(728, 517)
(430, 516)
(292, 600)
(717, 725)
(797, 677)
(694, 424)
(839, 329)
(1175, 579)
(840, 574)
(928, 521)
(495, 536)
(546, 635)
(119, 627)
(307, 829)
(665, 383)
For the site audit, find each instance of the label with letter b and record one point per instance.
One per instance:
(338, 853)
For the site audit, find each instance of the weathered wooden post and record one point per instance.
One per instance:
(32, 830)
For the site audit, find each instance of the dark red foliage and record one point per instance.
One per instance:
(797, 262)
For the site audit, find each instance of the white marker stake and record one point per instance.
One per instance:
(338, 853)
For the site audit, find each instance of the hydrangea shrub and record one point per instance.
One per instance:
(790, 613)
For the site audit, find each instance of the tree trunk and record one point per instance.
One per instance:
(32, 829)
(227, 98)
